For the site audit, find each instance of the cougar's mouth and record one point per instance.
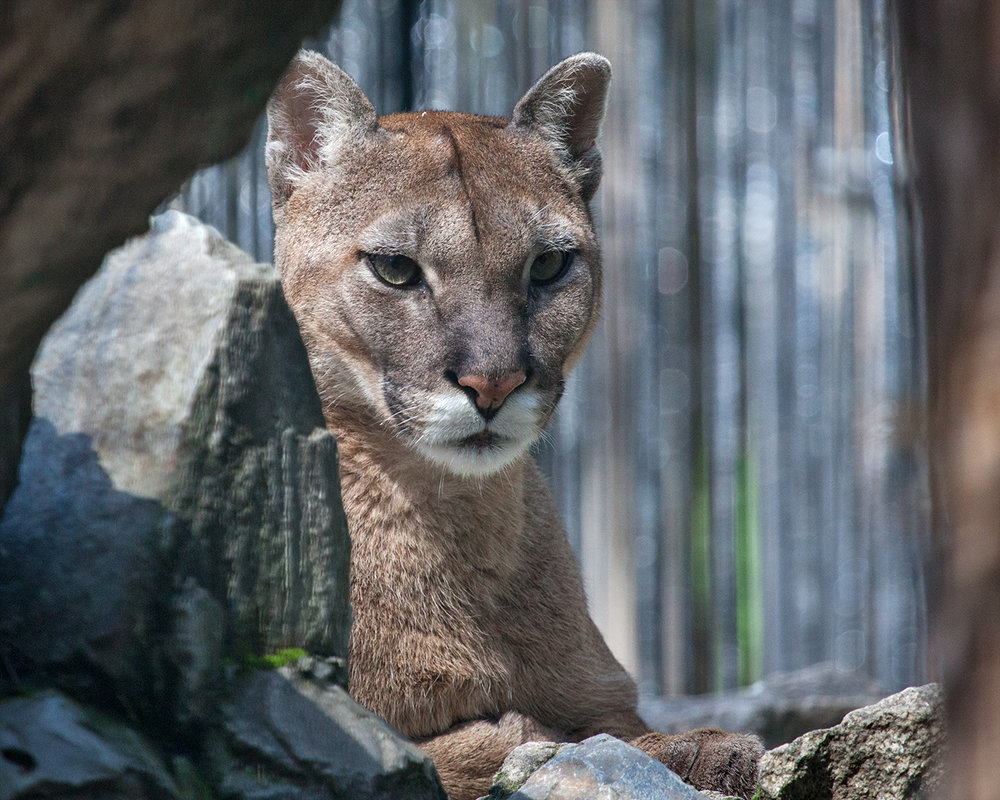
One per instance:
(457, 437)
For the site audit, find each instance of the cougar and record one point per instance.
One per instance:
(445, 275)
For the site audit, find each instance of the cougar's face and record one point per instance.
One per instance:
(445, 277)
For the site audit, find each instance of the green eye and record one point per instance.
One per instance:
(395, 270)
(550, 266)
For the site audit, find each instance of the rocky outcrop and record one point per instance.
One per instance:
(286, 734)
(177, 520)
(105, 109)
(178, 499)
(888, 751)
(778, 708)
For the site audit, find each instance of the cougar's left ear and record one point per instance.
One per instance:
(566, 108)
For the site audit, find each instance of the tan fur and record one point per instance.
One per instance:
(471, 632)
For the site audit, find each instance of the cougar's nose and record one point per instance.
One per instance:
(490, 393)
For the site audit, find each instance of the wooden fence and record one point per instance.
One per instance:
(739, 458)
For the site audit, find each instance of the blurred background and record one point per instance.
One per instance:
(740, 458)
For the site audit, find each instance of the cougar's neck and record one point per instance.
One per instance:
(387, 487)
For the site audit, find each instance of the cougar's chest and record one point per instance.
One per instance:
(428, 642)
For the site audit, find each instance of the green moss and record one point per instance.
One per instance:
(282, 658)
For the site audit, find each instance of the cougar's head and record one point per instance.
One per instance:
(443, 267)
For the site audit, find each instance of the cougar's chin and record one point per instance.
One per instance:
(457, 438)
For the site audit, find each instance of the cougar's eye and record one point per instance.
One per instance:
(396, 270)
(550, 266)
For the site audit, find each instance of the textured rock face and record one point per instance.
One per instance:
(295, 737)
(778, 708)
(105, 109)
(52, 747)
(178, 497)
(885, 751)
(598, 768)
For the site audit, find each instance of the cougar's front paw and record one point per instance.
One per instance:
(708, 758)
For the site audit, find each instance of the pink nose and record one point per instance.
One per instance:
(490, 394)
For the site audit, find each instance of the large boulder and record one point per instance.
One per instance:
(178, 500)
(105, 109)
(888, 751)
(599, 768)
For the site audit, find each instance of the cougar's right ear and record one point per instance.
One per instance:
(316, 109)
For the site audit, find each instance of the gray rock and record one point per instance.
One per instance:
(778, 708)
(323, 670)
(52, 747)
(178, 494)
(599, 768)
(519, 765)
(885, 751)
(292, 737)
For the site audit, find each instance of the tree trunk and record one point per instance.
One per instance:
(950, 59)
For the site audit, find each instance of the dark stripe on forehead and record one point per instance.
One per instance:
(461, 178)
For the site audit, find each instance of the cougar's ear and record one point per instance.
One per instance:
(566, 108)
(315, 110)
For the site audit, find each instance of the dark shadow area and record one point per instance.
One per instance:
(84, 593)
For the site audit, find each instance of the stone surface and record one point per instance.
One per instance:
(293, 737)
(178, 495)
(885, 751)
(105, 109)
(195, 648)
(598, 768)
(52, 747)
(778, 708)
(519, 765)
